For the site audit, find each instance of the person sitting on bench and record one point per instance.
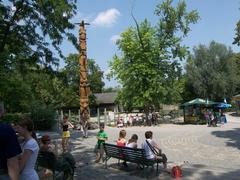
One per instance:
(152, 150)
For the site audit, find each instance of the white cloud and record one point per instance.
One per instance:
(106, 18)
(114, 38)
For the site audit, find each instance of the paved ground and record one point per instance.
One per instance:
(204, 152)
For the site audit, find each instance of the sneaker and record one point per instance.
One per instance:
(97, 160)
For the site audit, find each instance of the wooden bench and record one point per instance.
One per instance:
(127, 154)
(58, 167)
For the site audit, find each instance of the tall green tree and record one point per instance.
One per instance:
(236, 39)
(72, 78)
(149, 68)
(212, 72)
(29, 30)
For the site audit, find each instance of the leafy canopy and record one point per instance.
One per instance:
(212, 72)
(29, 28)
(148, 67)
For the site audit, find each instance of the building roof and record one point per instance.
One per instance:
(106, 98)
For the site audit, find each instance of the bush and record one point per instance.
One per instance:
(43, 116)
(13, 117)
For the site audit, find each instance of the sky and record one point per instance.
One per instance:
(108, 18)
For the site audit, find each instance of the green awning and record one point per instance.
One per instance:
(199, 101)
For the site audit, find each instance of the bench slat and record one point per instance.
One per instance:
(127, 154)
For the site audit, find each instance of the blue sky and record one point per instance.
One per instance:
(108, 18)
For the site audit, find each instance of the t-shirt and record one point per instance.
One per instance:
(101, 134)
(9, 146)
(132, 145)
(147, 149)
(28, 170)
(121, 142)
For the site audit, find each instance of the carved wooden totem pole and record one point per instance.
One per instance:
(84, 87)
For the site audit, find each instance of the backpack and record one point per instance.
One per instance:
(176, 172)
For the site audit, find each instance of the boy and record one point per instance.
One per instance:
(152, 150)
(101, 137)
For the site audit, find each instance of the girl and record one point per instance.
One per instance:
(132, 143)
(121, 140)
(66, 134)
(30, 150)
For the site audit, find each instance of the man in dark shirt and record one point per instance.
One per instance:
(9, 151)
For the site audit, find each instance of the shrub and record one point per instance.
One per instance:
(43, 116)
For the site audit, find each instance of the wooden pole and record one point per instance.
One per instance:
(98, 116)
(84, 89)
(105, 116)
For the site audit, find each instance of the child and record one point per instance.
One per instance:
(121, 140)
(101, 137)
(132, 143)
(152, 150)
(47, 145)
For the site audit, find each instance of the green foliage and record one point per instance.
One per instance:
(28, 31)
(13, 117)
(72, 78)
(16, 92)
(43, 116)
(25, 25)
(111, 89)
(237, 34)
(149, 68)
(212, 72)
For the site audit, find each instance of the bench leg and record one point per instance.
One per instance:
(106, 159)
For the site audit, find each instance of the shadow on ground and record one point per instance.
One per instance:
(235, 114)
(233, 137)
(88, 170)
(79, 134)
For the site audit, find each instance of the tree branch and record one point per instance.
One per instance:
(138, 31)
(9, 24)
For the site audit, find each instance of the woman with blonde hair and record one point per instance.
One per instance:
(30, 150)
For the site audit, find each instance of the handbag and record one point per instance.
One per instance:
(176, 172)
(155, 151)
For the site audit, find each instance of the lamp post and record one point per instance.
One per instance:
(84, 89)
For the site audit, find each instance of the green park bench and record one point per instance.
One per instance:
(133, 155)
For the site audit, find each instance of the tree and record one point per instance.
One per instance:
(212, 72)
(111, 89)
(237, 35)
(28, 30)
(149, 68)
(72, 78)
(27, 27)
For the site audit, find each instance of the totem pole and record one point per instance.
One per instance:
(84, 89)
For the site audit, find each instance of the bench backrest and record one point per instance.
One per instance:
(135, 155)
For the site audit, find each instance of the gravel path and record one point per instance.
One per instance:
(204, 152)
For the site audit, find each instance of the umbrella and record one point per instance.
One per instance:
(223, 105)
